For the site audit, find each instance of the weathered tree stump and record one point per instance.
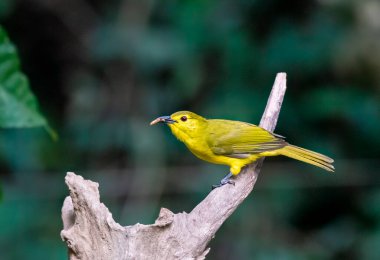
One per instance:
(91, 233)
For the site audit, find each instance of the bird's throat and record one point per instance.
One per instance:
(182, 136)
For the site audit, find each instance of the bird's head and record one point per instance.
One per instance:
(183, 124)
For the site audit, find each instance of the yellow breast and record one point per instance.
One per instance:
(197, 144)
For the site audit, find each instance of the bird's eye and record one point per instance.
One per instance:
(183, 118)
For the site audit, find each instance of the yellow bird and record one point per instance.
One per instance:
(234, 143)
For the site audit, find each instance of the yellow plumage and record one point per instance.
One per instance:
(235, 143)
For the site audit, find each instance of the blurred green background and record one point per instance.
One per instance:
(102, 70)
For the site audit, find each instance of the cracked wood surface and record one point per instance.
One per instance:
(90, 232)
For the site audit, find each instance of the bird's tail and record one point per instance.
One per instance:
(308, 156)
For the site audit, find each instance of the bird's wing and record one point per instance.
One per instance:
(239, 140)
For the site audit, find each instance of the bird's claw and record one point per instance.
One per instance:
(223, 182)
(230, 182)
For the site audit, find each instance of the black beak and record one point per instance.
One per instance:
(163, 119)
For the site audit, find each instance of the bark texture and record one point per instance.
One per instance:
(91, 233)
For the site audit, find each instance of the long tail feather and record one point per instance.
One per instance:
(308, 156)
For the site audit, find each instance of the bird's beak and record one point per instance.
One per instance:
(163, 119)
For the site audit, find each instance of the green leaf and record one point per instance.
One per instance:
(18, 105)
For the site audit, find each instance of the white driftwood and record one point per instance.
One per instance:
(91, 233)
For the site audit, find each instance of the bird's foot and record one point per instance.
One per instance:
(224, 181)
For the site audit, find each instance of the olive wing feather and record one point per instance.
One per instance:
(240, 140)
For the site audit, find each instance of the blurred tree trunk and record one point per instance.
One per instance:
(91, 233)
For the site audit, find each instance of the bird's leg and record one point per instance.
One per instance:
(224, 181)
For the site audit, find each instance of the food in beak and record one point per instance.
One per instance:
(157, 120)
(163, 119)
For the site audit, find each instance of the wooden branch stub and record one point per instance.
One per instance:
(272, 110)
(91, 233)
(89, 229)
